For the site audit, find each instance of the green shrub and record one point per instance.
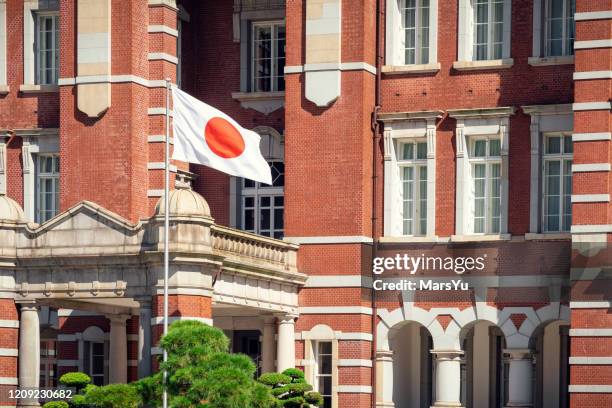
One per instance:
(75, 380)
(291, 389)
(113, 396)
(56, 404)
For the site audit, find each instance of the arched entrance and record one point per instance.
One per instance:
(411, 343)
(551, 343)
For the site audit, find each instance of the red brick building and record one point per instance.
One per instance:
(463, 131)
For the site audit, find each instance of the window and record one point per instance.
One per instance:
(48, 363)
(559, 27)
(323, 373)
(94, 361)
(412, 163)
(488, 29)
(415, 26)
(557, 179)
(485, 163)
(47, 48)
(262, 205)
(47, 187)
(268, 57)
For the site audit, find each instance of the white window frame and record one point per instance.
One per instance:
(318, 375)
(257, 192)
(274, 69)
(414, 127)
(417, 164)
(55, 178)
(466, 38)
(474, 123)
(395, 37)
(321, 333)
(41, 76)
(48, 363)
(567, 15)
(562, 158)
(488, 161)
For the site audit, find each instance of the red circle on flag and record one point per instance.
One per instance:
(223, 138)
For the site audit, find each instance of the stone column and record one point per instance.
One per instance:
(117, 373)
(448, 378)
(29, 352)
(520, 377)
(268, 345)
(144, 339)
(384, 379)
(285, 356)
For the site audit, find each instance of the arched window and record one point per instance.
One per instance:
(262, 206)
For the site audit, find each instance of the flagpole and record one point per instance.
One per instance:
(166, 231)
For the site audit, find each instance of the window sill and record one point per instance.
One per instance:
(408, 239)
(548, 236)
(544, 61)
(480, 238)
(4, 89)
(489, 64)
(264, 102)
(410, 69)
(38, 88)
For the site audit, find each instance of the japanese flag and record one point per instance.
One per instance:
(207, 136)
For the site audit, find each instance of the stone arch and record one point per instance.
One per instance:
(93, 333)
(272, 143)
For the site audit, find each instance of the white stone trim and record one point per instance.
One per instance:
(171, 319)
(67, 337)
(160, 166)
(505, 63)
(154, 28)
(155, 193)
(585, 75)
(336, 281)
(336, 310)
(548, 61)
(348, 362)
(158, 111)
(126, 78)
(585, 229)
(35, 88)
(593, 15)
(591, 137)
(355, 336)
(587, 106)
(590, 332)
(73, 313)
(162, 56)
(590, 198)
(156, 351)
(186, 291)
(9, 352)
(590, 360)
(585, 273)
(67, 363)
(411, 69)
(590, 167)
(9, 381)
(159, 139)
(590, 388)
(9, 324)
(29, 57)
(606, 304)
(132, 363)
(356, 389)
(331, 239)
(171, 4)
(581, 45)
(341, 66)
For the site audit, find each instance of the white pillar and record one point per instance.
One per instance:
(29, 352)
(144, 340)
(384, 379)
(448, 378)
(520, 377)
(117, 373)
(285, 355)
(268, 345)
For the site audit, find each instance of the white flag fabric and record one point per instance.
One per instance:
(207, 136)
